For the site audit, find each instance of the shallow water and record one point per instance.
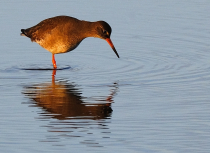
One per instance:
(155, 98)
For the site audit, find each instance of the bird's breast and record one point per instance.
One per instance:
(60, 43)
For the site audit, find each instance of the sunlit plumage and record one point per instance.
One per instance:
(62, 34)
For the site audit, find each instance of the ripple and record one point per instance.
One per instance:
(160, 65)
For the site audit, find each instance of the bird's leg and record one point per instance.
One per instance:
(53, 61)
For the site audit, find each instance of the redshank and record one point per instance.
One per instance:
(62, 34)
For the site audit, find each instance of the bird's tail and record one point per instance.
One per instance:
(23, 32)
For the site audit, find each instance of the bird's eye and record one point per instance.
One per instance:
(104, 32)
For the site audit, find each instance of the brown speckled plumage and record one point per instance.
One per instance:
(62, 34)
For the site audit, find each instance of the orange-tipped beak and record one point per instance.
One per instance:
(111, 44)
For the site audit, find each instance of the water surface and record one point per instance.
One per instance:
(155, 98)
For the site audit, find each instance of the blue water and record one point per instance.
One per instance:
(154, 99)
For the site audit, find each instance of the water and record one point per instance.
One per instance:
(155, 98)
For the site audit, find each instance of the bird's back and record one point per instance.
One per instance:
(46, 26)
(58, 34)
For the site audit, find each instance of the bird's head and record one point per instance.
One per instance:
(103, 31)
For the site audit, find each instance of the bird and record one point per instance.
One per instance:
(61, 34)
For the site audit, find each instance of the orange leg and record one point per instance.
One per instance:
(53, 61)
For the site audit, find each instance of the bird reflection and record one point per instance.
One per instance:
(64, 100)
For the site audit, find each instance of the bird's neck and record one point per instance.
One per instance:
(89, 29)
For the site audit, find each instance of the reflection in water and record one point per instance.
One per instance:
(63, 101)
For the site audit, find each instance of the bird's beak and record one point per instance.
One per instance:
(111, 44)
